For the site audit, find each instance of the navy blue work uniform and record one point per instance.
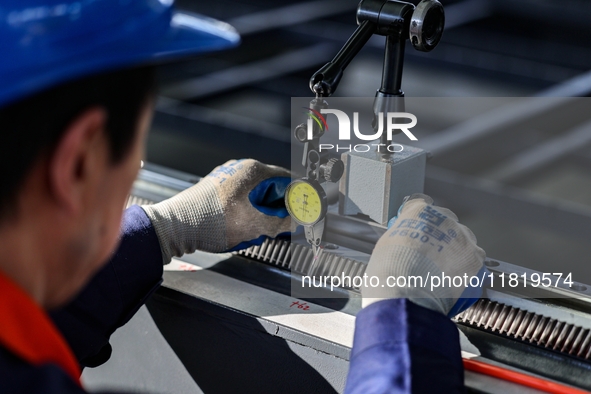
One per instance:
(399, 347)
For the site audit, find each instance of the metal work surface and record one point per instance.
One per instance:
(529, 327)
(223, 314)
(297, 258)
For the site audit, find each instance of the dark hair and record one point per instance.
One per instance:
(33, 126)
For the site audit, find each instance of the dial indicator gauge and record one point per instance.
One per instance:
(306, 202)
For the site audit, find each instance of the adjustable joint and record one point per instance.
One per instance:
(392, 18)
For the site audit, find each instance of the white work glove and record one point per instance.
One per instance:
(427, 241)
(237, 205)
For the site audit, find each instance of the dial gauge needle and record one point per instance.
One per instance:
(304, 203)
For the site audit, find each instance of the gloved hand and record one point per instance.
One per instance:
(426, 241)
(237, 205)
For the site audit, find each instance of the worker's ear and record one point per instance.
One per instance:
(78, 155)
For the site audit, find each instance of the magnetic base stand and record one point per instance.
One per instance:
(376, 187)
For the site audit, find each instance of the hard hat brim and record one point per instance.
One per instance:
(186, 35)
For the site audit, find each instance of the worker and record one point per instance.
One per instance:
(76, 100)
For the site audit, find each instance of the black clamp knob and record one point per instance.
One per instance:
(333, 170)
(426, 25)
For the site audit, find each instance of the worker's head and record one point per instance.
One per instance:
(75, 104)
(70, 156)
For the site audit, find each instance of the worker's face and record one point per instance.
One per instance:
(97, 230)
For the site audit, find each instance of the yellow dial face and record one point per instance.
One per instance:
(304, 203)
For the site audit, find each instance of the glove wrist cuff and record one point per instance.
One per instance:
(160, 227)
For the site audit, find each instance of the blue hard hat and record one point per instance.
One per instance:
(44, 43)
